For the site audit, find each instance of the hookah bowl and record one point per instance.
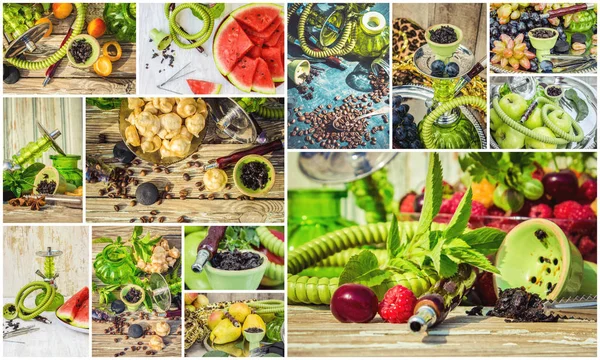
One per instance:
(543, 46)
(254, 338)
(49, 275)
(49, 174)
(444, 51)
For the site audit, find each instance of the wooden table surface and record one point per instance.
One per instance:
(104, 345)
(71, 80)
(267, 209)
(313, 331)
(51, 340)
(48, 214)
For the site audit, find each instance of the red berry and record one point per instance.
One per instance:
(397, 305)
(407, 204)
(478, 209)
(564, 209)
(586, 245)
(354, 303)
(541, 211)
(588, 191)
(496, 211)
(584, 212)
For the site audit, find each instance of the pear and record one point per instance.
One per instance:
(254, 321)
(215, 318)
(225, 332)
(239, 311)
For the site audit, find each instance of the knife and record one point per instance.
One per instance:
(579, 307)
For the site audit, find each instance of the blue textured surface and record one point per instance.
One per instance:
(334, 82)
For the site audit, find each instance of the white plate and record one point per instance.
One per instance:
(69, 326)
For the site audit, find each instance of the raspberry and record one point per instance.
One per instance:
(564, 209)
(449, 206)
(478, 209)
(588, 191)
(397, 305)
(582, 213)
(586, 245)
(541, 211)
(407, 204)
(496, 211)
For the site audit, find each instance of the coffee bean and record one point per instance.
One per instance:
(116, 207)
(186, 177)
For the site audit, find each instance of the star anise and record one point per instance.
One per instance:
(37, 204)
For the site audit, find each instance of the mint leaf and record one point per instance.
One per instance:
(31, 171)
(102, 240)
(433, 195)
(404, 266)
(471, 257)
(485, 240)
(436, 242)
(460, 219)
(393, 240)
(363, 269)
(448, 267)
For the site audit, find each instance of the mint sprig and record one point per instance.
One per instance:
(431, 250)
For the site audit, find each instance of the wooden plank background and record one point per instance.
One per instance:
(104, 345)
(20, 262)
(71, 80)
(220, 297)
(267, 209)
(470, 18)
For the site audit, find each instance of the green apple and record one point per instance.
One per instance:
(513, 105)
(532, 143)
(561, 119)
(534, 120)
(509, 138)
(495, 120)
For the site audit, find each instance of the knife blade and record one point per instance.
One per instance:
(579, 307)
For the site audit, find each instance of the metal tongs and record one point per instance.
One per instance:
(20, 331)
(571, 62)
(579, 307)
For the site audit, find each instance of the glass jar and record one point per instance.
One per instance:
(114, 264)
(67, 167)
(372, 35)
(314, 212)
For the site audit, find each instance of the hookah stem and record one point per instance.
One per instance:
(466, 78)
(222, 162)
(52, 69)
(566, 11)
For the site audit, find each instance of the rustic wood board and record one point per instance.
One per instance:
(48, 214)
(71, 80)
(104, 345)
(314, 332)
(267, 209)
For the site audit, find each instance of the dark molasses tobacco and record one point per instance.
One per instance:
(443, 35)
(236, 260)
(542, 33)
(133, 295)
(255, 175)
(554, 91)
(517, 305)
(46, 187)
(81, 51)
(254, 330)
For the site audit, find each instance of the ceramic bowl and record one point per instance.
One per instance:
(236, 279)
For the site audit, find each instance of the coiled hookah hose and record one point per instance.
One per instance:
(430, 119)
(198, 38)
(343, 45)
(272, 306)
(78, 25)
(548, 106)
(270, 112)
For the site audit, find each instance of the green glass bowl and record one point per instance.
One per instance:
(237, 174)
(236, 279)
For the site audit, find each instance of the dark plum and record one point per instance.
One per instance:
(354, 303)
(546, 66)
(561, 186)
(438, 67)
(452, 69)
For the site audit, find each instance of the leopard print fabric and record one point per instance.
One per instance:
(407, 38)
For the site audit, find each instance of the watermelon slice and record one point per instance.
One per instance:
(230, 45)
(255, 52)
(68, 311)
(257, 16)
(272, 56)
(274, 39)
(242, 74)
(266, 33)
(201, 87)
(281, 47)
(82, 319)
(262, 81)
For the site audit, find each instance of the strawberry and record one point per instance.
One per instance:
(397, 305)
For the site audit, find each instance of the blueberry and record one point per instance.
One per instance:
(546, 66)
(495, 33)
(560, 29)
(562, 37)
(513, 23)
(438, 67)
(452, 69)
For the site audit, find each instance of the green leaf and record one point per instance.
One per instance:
(447, 267)
(485, 240)
(102, 240)
(363, 268)
(393, 240)
(579, 104)
(433, 194)
(471, 257)
(436, 242)
(404, 266)
(216, 353)
(31, 171)
(460, 219)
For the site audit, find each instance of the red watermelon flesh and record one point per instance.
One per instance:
(257, 16)
(201, 87)
(281, 47)
(230, 45)
(272, 57)
(243, 73)
(256, 40)
(255, 52)
(266, 33)
(272, 41)
(68, 311)
(262, 81)
(82, 319)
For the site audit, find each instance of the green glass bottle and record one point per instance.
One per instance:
(372, 35)
(67, 167)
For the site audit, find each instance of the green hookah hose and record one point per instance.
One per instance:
(343, 46)
(78, 26)
(26, 313)
(442, 109)
(547, 106)
(272, 306)
(201, 36)
(270, 112)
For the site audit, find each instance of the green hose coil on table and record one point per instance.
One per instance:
(198, 38)
(26, 313)
(78, 26)
(430, 119)
(547, 106)
(318, 290)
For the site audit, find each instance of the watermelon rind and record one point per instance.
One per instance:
(274, 9)
(264, 85)
(221, 52)
(272, 57)
(245, 68)
(68, 311)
